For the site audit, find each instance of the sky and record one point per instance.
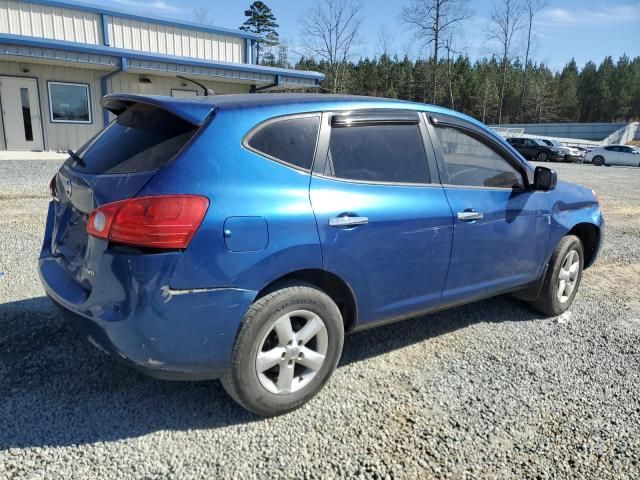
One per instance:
(581, 29)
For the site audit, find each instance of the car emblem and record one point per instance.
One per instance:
(67, 186)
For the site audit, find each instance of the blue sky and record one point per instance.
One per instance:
(583, 29)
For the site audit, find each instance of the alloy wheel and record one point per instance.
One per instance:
(568, 276)
(292, 352)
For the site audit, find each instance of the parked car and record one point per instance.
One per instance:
(570, 154)
(614, 155)
(534, 149)
(241, 237)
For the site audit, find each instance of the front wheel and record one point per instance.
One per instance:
(288, 346)
(598, 160)
(562, 278)
(542, 157)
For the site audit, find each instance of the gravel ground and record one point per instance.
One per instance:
(490, 390)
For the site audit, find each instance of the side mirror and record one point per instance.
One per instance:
(544, 179)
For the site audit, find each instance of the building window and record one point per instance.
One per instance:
(69, 102)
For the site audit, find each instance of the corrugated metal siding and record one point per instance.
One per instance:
(61, 136)
(33, 20)
(168, 40)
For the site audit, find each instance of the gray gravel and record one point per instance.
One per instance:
(490, 390)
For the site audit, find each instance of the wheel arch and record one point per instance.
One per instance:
(589, 235)
(339, 291)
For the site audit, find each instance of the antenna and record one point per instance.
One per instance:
(207, 91)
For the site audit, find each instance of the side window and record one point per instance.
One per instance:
(378, 153)
(290, 140)
(471, 163)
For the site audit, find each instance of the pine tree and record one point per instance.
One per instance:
(568, 107)
(262, 21)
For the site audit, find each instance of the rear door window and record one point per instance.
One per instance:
(378, 153)
(291, 140)
(142, 138)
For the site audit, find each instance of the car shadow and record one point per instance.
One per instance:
(56, 389)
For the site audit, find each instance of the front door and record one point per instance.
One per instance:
(385, 225)
(501, 229)
(21, 113)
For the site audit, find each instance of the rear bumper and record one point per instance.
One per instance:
(178, 335)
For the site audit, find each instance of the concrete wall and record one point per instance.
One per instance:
(586, 131)
(61, 136)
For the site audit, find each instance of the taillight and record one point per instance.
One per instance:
(53, 187)
(164, 221)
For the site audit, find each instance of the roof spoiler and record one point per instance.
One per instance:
(194, 112)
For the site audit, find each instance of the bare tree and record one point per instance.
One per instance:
(531, 7)
(331, 30)
(505, 21)
(386, 40)
(432, 20)
(449, 48)
(201, 15)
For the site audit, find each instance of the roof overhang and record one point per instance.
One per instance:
(80, 55)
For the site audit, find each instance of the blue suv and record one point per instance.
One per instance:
(240, 237)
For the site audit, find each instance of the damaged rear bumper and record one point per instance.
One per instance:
(132, 314)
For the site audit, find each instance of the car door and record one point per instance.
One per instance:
(501, 229)
(612, 155)
(628, 157)
(384, 222)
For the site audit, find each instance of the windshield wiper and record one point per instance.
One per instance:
(76, 158)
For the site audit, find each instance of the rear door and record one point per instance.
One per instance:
(501, 229)
(384, 222)
(628, 157)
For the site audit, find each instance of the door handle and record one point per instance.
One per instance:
(470, 216)
(347, 221)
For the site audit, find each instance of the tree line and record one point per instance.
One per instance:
(607, 92)
(508, 85)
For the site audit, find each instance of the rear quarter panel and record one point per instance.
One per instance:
(240, 183)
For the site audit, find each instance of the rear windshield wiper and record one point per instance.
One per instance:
(76, 158)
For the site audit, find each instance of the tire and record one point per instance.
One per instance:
(598, 160)
(264, 329)
(567, 256)
(542, 157)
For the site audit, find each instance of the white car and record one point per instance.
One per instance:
(614, 155)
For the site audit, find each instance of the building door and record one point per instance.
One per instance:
(21, 113)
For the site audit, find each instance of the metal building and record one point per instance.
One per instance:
(58, 58)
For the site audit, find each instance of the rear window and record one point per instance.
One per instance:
(142, 138)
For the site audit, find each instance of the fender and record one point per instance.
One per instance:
(584, 208)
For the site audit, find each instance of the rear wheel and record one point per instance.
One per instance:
(598, 160)
(562, 278)
(542, 157)
(288, 346)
